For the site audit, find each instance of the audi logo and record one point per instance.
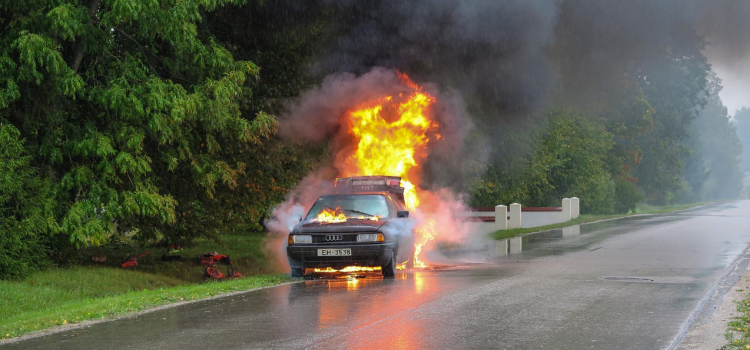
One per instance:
(333, 238)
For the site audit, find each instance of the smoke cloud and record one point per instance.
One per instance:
(503, 62)
(509, 60)
(291, 211)
(489, 50)
(725, 26)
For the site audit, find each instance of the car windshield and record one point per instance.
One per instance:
(353, 206)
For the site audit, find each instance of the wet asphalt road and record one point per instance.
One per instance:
(544, 291)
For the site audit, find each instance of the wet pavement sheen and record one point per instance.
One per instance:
(542, 290)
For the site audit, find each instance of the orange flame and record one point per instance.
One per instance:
(392, 137)
(331, 216)
(424, 234)
(349, 269)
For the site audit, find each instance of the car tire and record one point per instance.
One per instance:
(389, 270)
(298, 272)
(297, 269)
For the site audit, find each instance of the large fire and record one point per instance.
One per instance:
(349, 269)
(332, 216)
(424, 233)
(392, 136)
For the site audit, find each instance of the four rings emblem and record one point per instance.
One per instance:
(333, 238)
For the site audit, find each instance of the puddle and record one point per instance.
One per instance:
(557, 241)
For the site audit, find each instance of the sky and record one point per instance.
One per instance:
(736, 81)
(725, 26)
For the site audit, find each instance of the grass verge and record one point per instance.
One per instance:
(75, 294)
(738, 334)
(640, 209)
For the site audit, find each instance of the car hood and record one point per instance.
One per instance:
(351, 225)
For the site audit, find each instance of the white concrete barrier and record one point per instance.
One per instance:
(501, 217)
(535, 217)
(515, 216)
(566, 212)
(481, 228)
(479, 213)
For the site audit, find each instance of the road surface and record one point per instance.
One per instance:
(544, 291)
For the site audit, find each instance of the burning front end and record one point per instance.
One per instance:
(358, 226)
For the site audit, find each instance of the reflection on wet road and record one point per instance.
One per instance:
(542, 290)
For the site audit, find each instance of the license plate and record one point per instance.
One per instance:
(335, 252)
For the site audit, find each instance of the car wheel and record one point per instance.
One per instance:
(389, 270)
(298, 272)
(298, 269)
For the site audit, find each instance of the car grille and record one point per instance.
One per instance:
(334, 238)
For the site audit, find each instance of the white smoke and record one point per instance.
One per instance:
(289, 213)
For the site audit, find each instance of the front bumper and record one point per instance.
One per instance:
(363, 254)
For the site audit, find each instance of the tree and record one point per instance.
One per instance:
(125, 106)
(742, 119)
(571, 160)
(673, 80)
(26, 209)
(716, 149)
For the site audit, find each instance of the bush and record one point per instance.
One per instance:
(597, 194)
(627, 196)
(26, 203)
(21, 254)
(570, 161)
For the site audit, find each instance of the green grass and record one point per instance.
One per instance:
(644, 208)
(74, 294)
(740, 327)
(244, 249)
(640, 209)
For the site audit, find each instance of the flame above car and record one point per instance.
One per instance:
(392, 137)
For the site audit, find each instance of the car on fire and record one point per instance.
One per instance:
(362, 224)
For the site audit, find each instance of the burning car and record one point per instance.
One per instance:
(361, 225)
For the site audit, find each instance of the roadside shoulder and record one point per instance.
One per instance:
(710, 328)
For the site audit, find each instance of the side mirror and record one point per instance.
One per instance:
(402, 214)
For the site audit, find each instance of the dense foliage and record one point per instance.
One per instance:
(26, 209)
(133, 123)
(742, 120)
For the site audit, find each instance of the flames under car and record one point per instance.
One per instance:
(357, 226)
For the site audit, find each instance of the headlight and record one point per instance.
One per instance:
(300, 239)
(370, 237)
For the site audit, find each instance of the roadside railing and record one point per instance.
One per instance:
(501, 217)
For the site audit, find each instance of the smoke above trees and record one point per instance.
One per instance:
(639, 67)
(511, 55)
